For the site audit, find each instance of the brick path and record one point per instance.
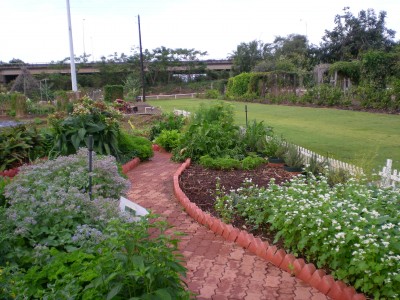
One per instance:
(217, 269)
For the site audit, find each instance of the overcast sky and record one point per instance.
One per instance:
(37, 30)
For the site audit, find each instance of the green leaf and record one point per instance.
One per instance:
(163, 294)
(76, 141)
(81, 133)
(115, 290)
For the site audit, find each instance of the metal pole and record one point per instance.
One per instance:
(141, 62)
(245, 109)
(71, 52)
(90, 164)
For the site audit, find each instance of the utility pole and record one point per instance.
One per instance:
(83, 34)
(71, 52)
(141, 62)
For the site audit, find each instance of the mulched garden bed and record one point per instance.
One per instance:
(199, 185)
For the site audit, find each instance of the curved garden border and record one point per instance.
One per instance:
(317, 278)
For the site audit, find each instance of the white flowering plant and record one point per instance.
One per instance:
(351, 229)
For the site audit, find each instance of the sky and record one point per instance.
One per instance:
(36, 31)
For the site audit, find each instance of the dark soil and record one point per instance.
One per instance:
(199, 184)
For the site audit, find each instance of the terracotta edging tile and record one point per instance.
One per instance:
(308, 273)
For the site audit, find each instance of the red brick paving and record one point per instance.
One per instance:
(216, 268)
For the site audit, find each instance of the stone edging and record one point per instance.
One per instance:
(130, 165)
(317, 278)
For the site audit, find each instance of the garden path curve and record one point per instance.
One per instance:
(217, 269)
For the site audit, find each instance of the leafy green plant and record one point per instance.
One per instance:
(252, 162)
(211, 94)
(211, 131)
(219, 163)
(168, 139)
(3, 182)
(323, 94)
(20, 145)
(113, 92)
(168, 122)
(131, 146)
(255, 137)
(316, 166)
(293, 157)
(88, 118)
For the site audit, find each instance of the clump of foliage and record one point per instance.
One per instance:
(211, 94)
(113, 92)
(211, 131)
(131, 146)
(168, 139)
(57, 243)
(255, 137)
(88, 118)
(323, 94)
(350, 228)
(229, 163)
(168, 121)
(220, 163)
(19, 145)
(4, 180)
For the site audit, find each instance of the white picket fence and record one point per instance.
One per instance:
(332, 163)
(389, 177)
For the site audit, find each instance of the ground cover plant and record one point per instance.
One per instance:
(56, 243)
(352, 229)
(361, 138)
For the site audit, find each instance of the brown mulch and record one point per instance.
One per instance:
(199, 184)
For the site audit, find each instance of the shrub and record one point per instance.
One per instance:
(323, 94)
(168, 122)
(252, 162)
(88, 118)
(168, 139)
(113, 92)
(19, 145)
(220, 163)
(211, 131)
(131, 146)
(293, 157)
(211, 94)
(255, 137)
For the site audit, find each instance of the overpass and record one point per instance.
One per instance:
(9, 72)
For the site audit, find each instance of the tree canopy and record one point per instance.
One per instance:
(354, 35)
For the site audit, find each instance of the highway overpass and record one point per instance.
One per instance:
(9, 72)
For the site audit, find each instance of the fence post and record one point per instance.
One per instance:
(245, 109)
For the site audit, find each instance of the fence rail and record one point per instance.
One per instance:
(173, 96)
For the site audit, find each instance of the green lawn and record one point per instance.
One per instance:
(360, 138)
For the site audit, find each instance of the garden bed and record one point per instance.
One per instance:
(199, 185)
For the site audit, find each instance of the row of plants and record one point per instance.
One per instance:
(350, 229)
(57, 243)
(244, 87)
(65, 134)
